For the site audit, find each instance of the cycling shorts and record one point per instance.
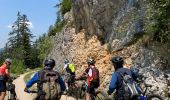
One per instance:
(2, 86)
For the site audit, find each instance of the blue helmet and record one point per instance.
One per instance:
(66, 61)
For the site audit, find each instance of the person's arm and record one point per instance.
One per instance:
(62, 84)
(84, 75)
(7, 72)
(63, 69)
(112, 85)
(32, 81)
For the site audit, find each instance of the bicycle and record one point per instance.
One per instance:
(96, 95)
(143, 93)
(73, 87)
(11, 90)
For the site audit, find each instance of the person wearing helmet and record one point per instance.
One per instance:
(4, 74)
(92, 75)
(47, 74)
(116, 80)
(70, 70)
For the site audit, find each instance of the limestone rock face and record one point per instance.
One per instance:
(110, 19)
(77, 49)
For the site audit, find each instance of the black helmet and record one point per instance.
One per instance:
(117, 61)
(90, 61)
(49, 63)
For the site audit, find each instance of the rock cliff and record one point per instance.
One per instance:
(106, 28)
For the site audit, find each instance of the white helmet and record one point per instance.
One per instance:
(8, 60)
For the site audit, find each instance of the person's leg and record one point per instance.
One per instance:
(88, 92)
(2, 90)
(66, 83)
(87, 96)
(2, 95)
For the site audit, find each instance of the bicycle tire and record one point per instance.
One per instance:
(92, 97)
(13, 97)
(151, 97)
(82, 94)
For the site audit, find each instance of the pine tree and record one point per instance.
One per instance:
(20, 40)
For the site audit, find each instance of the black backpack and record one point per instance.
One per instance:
(48, 85)
(129, 85)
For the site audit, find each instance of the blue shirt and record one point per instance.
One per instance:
(34, 80)
(114, 80)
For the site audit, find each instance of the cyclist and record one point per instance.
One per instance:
(92, 74)
(42, 77)
(4, 74)
(70, 69)
(116, 81)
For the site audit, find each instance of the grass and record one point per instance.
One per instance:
(30, 73)
(28, 76)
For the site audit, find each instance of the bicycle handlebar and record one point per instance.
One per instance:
(31, 91)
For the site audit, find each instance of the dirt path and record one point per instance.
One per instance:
(21, 95)
(20, 85)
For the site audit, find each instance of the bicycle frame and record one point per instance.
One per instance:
(11, 91)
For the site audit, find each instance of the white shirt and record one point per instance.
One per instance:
(65, 66)
(90, 71)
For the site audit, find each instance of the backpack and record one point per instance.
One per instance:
(129, 85)
(71, 68)
(48, 85)
(96, 80)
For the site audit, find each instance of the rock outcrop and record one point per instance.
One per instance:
(106, 28)
(110, 19)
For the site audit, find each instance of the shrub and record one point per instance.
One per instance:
(17, 67)
(65, 6)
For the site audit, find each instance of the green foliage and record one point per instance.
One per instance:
(28, 76)
(19, 44)
(65, 6)
(157, 27)
(60, 23)
(44, 46)
(158, 17)
(51, 31)
(17, 67)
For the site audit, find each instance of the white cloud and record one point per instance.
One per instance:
(9, 26)
(30, 25)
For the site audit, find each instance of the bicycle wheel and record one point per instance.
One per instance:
(101, 96)
(154, 97)
(13, 97)
(92, 97)
(81, 94)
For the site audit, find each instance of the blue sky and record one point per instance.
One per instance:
(41, 14)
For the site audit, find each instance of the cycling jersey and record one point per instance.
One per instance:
(2, 69)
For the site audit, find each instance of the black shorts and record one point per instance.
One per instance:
(2, 86)
(91, 90)
(70, 78)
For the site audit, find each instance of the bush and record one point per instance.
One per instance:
(17, 67)
(158, 17)
(65, 6)
(44, 47)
